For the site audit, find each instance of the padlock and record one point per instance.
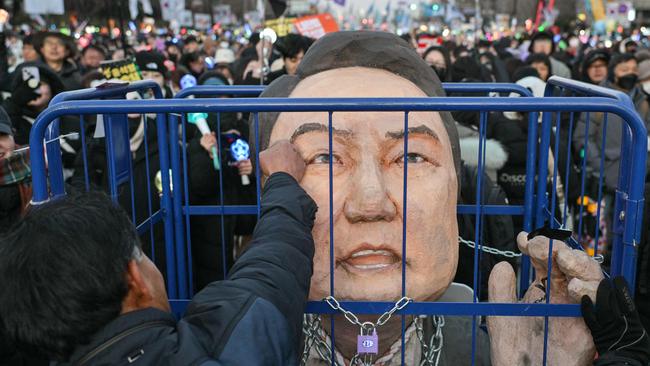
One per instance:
(367, 343)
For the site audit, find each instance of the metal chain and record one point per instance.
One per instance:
(399, 305)
(510, 254)
(490, 250)
(431, 350)
(312, 327)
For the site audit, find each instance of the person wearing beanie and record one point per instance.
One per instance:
(30, 96)
(542, 42)
(368, 166)
(438, 58)
(152, 67)
(594, 66)
(541, 63)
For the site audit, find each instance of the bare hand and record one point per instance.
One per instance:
(520, 340)
(282, 157)
(4, 16)
(208, 141)
(245, 167)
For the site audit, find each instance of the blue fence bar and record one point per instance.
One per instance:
(256, 90)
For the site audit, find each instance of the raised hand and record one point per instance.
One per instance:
(520, 340)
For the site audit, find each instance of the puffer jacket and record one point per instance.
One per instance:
(252, 318)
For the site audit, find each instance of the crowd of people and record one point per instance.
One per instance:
(37, 66)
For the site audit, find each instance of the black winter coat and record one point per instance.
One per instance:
(252, 318)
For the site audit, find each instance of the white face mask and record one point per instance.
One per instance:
(646, 87)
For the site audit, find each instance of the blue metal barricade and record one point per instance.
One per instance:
(536, 209)
(119, 160)
(256, 90)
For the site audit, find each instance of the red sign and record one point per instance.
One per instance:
(316, 26)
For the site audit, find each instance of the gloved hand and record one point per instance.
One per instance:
(615, 324)
(24, 94)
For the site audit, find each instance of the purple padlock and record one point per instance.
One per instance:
(368, 343)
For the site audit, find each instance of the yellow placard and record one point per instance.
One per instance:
(281, 26)
(125, 70)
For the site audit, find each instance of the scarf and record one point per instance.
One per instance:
(15, 168)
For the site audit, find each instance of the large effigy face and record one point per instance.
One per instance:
(368, 179)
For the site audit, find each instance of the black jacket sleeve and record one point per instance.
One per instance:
(269, 283)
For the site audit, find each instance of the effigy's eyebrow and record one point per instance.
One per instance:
(419, 130)
(318, 127)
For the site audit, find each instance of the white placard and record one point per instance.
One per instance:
(44, 7)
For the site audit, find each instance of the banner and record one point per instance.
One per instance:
(281, 26)
(124, 70)
(44, 7)
(316, 26)
(202, 21)
(171, 9)
(597, 9)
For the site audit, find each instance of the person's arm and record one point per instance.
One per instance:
(255, 316)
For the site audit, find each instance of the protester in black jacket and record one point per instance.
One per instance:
(58, 51)
(94, 297)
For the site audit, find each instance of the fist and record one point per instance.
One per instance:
(208, 141)
(245, 167)
(282, 157)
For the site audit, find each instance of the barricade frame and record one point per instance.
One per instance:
(630, 188)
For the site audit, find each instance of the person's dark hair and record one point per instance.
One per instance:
(29, 39)
(63, 273)
(291, 45)
(523, 72)
(466, 68)
(95, 47)
(187, 58)
(540, 58)
(459, 51)
(541, 36)
(445, 55)
(512, 64)
(190, 39)
(39, 42)
(618, 58)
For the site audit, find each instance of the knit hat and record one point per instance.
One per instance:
(541, 36)
(151, 61)
(378, 50)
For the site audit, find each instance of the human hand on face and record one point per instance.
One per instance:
(245, 167)
(520, 340)
(208, 141)
(282, 157)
